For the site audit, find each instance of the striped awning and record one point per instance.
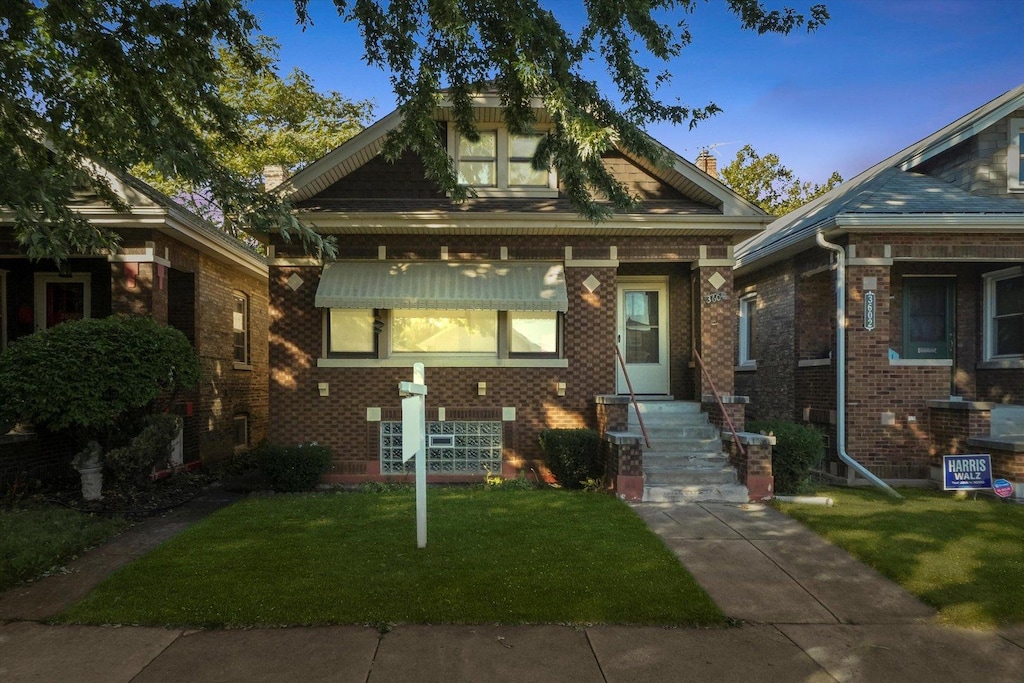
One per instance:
(497, 286)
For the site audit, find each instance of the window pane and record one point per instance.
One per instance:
(351, 331)
(241, 431)
(64, 301)
(1010, 336)
(523, 146)
(522, 173)
(1010, 295)
(240, 347)
(416, 331)
(478, 173)
(485, 147)
(533, 332)
(926, 313)
(642, 327)
(240, 326)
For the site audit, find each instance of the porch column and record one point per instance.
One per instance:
(716, 338)
(139, 288)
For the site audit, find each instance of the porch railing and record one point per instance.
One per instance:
(721, 406)
(632, 396)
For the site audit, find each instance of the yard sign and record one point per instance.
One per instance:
(966, 472)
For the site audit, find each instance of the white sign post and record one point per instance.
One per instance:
(414, 442)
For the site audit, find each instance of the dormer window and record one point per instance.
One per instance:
(500, 164)
(1015, 157)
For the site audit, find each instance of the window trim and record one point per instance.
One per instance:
(502, 160)
(1015, 157)
(246, 364)
(746, 357)
(989, 341)
(39, 294)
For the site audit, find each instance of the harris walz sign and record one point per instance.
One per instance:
(966, 472)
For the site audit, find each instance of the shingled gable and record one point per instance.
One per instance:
(685, 197)
(894, 193)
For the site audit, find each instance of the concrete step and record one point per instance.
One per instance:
(725, 493)
(671, 407)
(685, 446)
(686, 463)
(678, 432)
(691, 477)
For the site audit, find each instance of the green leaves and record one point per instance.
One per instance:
(764, 181)
(87, 374)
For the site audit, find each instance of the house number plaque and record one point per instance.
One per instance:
(715, 297)
(869, 310)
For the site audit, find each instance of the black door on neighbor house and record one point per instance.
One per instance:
(928, 317)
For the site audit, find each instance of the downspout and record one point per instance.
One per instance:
(841, 369)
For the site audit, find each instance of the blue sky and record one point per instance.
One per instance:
(881, 75)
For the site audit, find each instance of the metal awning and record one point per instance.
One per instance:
(497, 286)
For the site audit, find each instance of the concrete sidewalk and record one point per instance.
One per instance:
(810, 613)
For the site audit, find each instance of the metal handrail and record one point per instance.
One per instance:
(721, 406)
(632, 396)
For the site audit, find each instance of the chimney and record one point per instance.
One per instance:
(707, 163)
(274, 175)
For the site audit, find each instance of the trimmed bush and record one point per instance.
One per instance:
(798, 448)
(572, 455)
(293, 468)
(133, 464)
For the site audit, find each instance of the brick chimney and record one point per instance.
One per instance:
(707, 163)
(274, 175)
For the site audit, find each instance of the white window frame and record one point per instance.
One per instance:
(990, 280)
(501, 187)
(746, 342)
(245, 364)
(43, 279)
(1015, 157)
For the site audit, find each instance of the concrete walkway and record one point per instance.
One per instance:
(810, 613)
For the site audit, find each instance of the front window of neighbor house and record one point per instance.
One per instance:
(532, 333)
(240, 327)
(1015, 157)
(928, 317)
(352, 331)
(444, 331)
(748, 330)
(1004, 313)
(60, 298)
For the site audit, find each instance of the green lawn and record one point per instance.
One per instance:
(35, 540)
(492, 557)
(964, 557)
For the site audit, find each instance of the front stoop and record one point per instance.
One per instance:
(684, 462)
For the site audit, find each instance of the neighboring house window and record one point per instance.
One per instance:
(500, 163)
(439, 331)
(240, 327)
(60, 298)
(351, 332)
(1015, 157)
(532, 333)
(241, 425)
(748, 330)
(1004, 313)
(928, 304)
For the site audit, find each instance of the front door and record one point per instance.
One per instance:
(643, 335)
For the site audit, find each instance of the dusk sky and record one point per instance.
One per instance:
(881, 75)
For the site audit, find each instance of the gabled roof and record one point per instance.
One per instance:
(335, 165)
(890, 192)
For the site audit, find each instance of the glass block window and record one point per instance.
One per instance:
(472, 448)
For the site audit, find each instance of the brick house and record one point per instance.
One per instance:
(182, 271)
(513, 302)
(930, 245)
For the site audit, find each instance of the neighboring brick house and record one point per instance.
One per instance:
(513, 302)
(182, 271)
(933, 246)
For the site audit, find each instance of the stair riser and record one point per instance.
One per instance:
(690, 478)
(728, 494)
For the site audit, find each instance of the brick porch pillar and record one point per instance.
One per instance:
(716, 338)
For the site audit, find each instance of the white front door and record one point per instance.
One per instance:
(643, 335)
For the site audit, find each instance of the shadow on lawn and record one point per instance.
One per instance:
(964, 557)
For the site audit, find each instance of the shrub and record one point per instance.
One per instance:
(797, 450)
(294, 468)
(132, 464)
(94, 375)
(572, 455)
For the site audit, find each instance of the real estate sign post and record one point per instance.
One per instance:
(414, 442)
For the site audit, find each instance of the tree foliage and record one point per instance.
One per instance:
(126, 82)
(520, 50)
(764, 181)
(285, 121)
(118, 83)
(87, 375)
